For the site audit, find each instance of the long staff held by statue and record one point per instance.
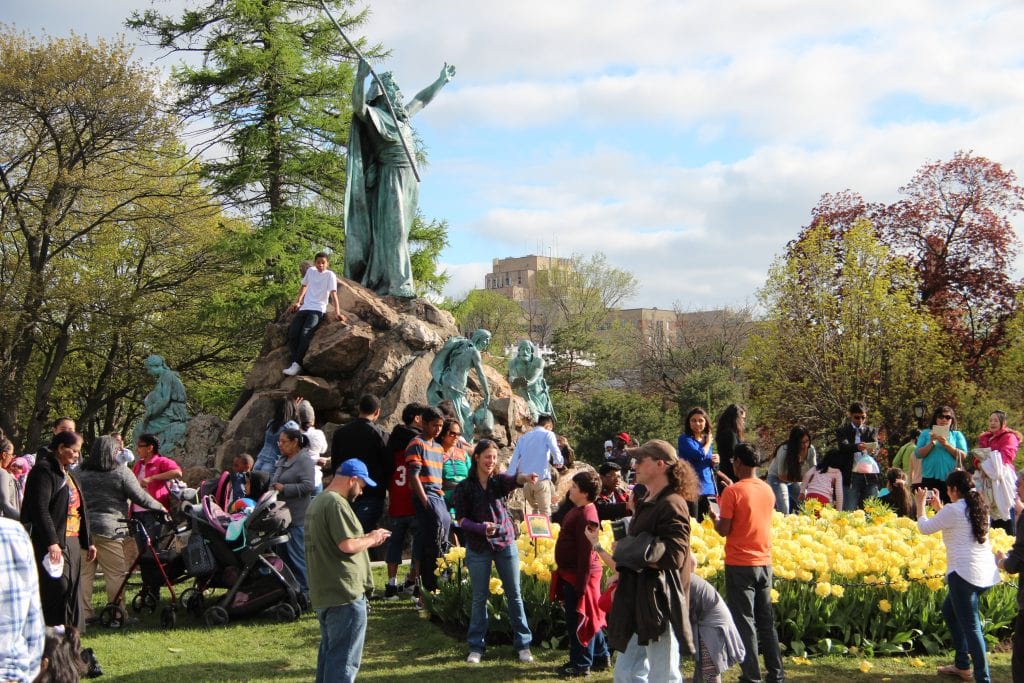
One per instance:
(391, 107)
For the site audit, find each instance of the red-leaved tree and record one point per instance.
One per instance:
(954, 225)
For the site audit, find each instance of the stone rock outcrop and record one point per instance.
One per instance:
(201, 440)
(386, 349)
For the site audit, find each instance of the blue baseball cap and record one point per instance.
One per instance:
(356, 468)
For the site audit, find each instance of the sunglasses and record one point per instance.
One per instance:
(945, 417)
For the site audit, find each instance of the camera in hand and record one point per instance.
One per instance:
(620, 528)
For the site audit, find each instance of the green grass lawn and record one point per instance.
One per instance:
(400, 646)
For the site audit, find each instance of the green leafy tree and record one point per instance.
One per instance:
(606, 412)
(576, 303)
(483, 308)
(842, 325)
(271, 90)
(106, 236)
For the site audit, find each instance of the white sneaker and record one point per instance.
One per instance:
(292, 369)
(473, 658)
(525, 656)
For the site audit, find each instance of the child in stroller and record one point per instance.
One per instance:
(240, 544)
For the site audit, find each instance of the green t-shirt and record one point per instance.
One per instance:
(335, 578)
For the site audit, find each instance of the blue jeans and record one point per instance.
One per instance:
(294, 553)
(434, 522)
(342, 631)
(506, 561)
(657, 661)
(960, 610)
(860, 488)
(748, 593)
(580, 656)
(787, 494)
(300, 332)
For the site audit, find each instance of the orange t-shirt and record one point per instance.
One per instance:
(749, 503)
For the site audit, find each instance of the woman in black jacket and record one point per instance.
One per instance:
(54, 513)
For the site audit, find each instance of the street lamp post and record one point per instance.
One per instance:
(920, 407)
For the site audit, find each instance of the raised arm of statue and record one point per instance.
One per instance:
(423, 97)
(359, 89)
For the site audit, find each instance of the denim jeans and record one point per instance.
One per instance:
(580, 656)
(748, 593)
(342, 631)
(294, 553)
(435, 522)
(860, 488)
(657, 662)
(787, 494)
(300, 332)
(506, 561)
(960, 610)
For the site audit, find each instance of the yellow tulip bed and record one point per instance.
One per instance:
(864, 582)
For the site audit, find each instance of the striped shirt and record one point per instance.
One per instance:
(425, 459)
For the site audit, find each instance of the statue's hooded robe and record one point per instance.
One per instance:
(380, 202)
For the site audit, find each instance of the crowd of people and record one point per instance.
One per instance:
(431, 486)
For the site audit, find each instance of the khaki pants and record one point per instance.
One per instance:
(110, 557)
(538, 497)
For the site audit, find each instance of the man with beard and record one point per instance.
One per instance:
(382, 190)
(339, 571)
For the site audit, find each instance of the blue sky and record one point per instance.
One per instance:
(688, 141)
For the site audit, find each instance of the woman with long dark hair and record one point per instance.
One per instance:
(55, 514)
(107, 487)
(293, 479)
(482, 514)
(695, 449)
(897, 494)
(970, 568)
(728, 433)
(285, 417)
(940, 448)
(791, 462)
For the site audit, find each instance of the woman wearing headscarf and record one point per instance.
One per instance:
(107, 486)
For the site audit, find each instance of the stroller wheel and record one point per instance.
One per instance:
(167, 617)
(215, 616)
(285, 613)
(137, 603)
(112, 616)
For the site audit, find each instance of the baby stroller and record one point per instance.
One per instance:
(160, 564)
(240, 546)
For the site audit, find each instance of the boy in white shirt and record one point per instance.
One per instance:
(319, 285)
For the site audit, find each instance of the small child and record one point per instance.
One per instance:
(824, 483)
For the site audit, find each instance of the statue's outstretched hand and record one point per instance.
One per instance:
(447, 72)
